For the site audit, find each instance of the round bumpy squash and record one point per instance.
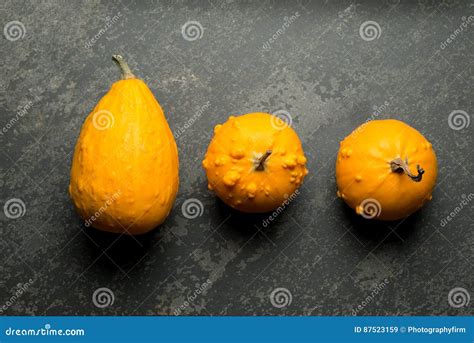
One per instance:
(254, 162)
(385, 170)
(124, 175)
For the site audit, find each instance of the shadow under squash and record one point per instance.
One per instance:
(371, 229)
(245, 225)
(124, 250)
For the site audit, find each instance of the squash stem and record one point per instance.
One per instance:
(398, 165)
(124, 68)
(261, 161)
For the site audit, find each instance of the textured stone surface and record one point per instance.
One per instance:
(316, 67)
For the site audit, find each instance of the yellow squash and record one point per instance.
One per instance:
(124, 175)
(385, 170)
(254, 162)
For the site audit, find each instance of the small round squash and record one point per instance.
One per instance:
(385, 170)
(254, 162)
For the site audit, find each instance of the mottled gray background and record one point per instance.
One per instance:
(321, 71)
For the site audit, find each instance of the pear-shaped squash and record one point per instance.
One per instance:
(124, 175)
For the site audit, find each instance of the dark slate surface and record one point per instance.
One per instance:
(317, 68)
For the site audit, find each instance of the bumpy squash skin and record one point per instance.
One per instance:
(230, 162)
(136, 158)
(363, 168)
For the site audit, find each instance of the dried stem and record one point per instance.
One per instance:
(398, 166)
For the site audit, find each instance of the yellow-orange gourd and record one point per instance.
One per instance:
(385, 170)
(124, 175)
(254, 162)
